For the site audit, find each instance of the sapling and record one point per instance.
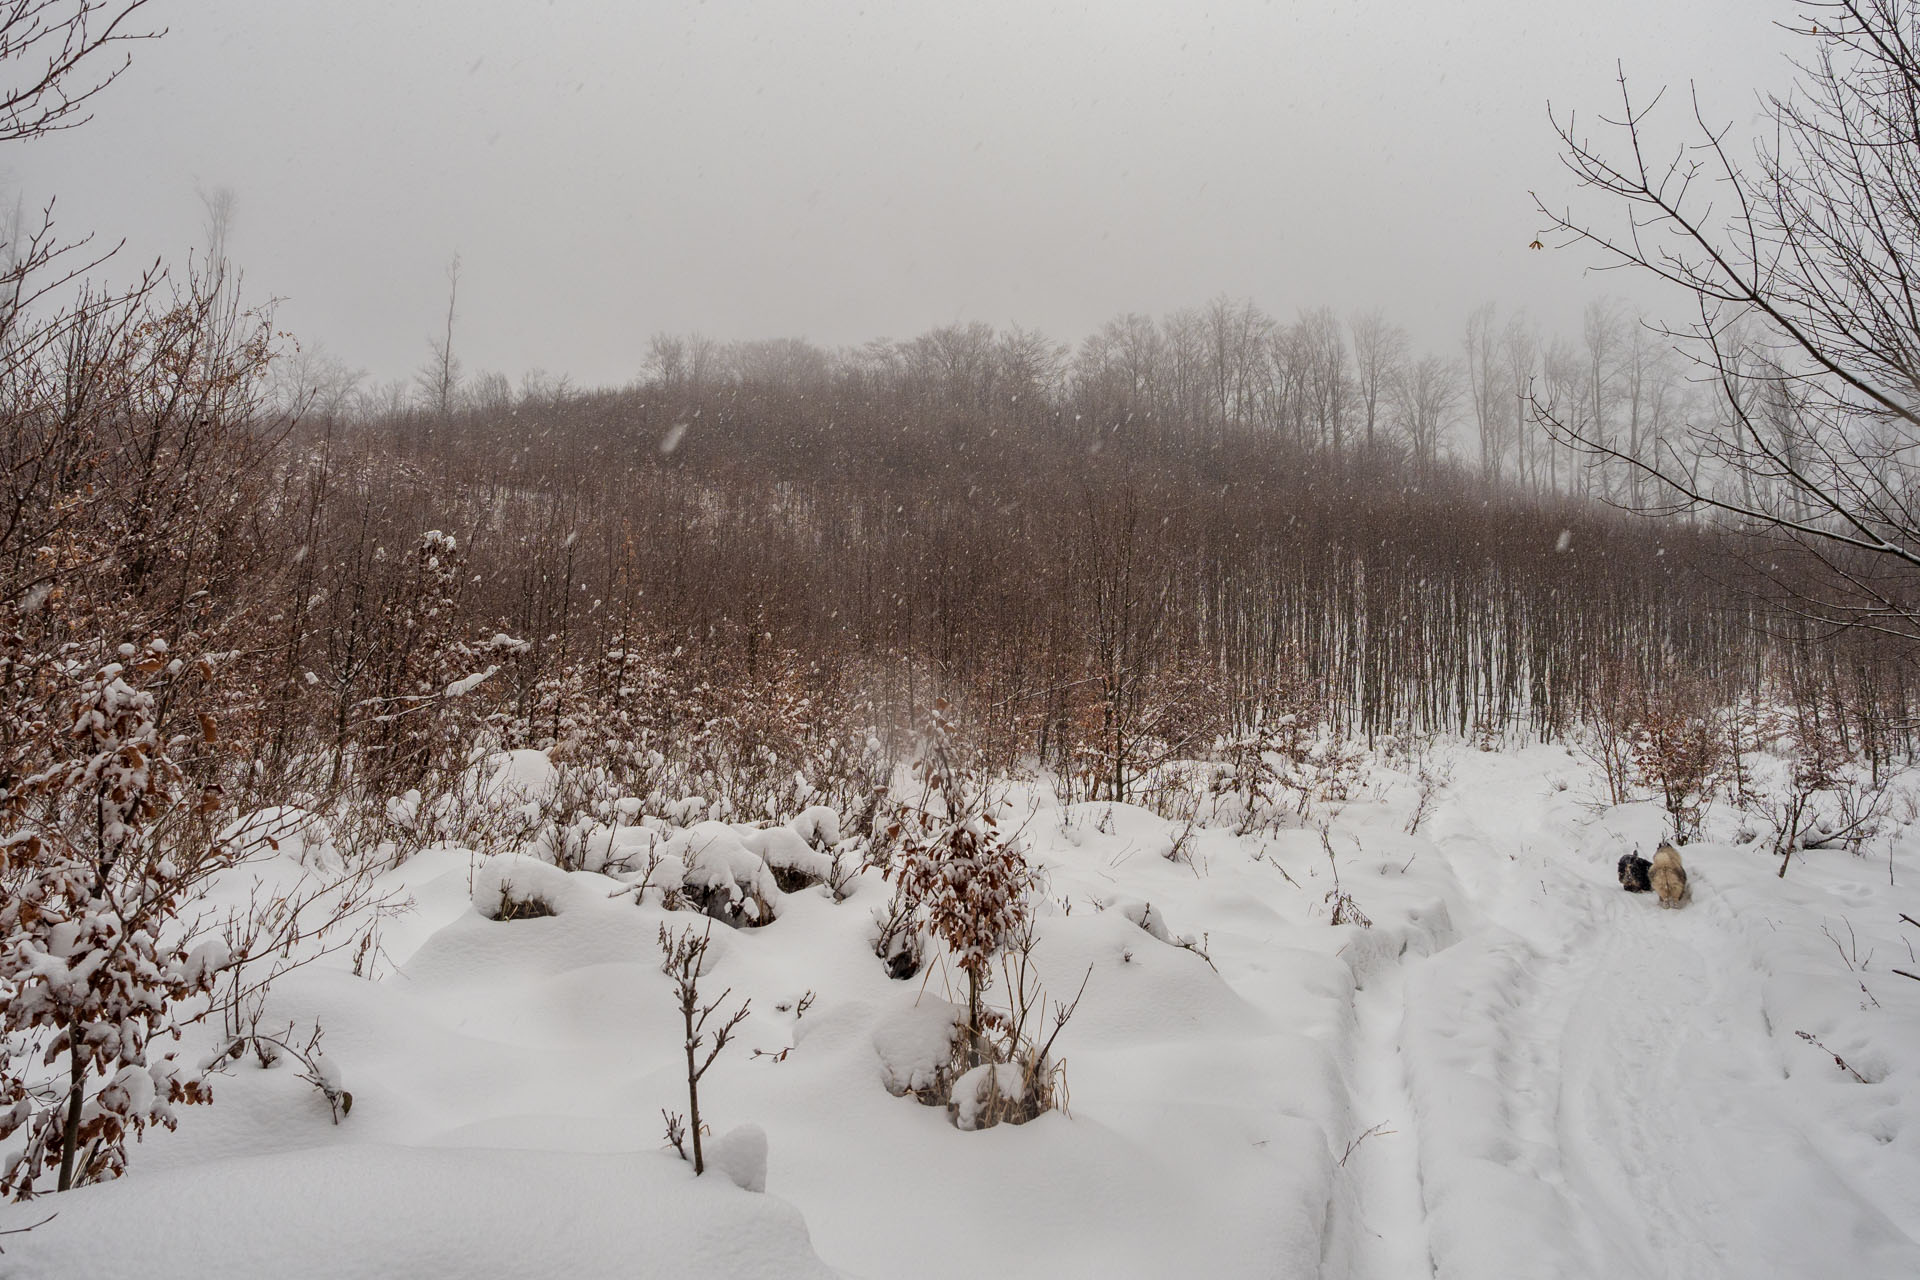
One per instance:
(683, 954)
(99, 858)
(1679, 754)
(1345, 909)
(971, 879)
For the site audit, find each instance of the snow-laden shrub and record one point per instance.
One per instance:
(513, 886)
(971, 880)
(723, 877)
(795, 864)
(997, 1092)
(499, 801)
(819, 826)
(621, 849)
(686, 811)
(900, 935)
(99, 862)
(918, 1048)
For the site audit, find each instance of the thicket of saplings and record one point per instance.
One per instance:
(735, 598)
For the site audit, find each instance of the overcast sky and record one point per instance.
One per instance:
(845, 171)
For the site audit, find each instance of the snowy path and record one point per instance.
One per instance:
(1389, 1236)
(1596, 1089)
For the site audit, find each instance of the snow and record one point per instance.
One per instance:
(975, 1091)
(467, 684)
(818, 825)
(1518, 1070)
(741, 1154)
(373, 1211)
(727, 878)
(915, 1043)
(513, 880)
(786, 851)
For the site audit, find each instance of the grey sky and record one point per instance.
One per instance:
(845, 171)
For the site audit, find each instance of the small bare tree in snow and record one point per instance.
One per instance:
(682, 956)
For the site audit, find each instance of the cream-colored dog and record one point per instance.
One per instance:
(1669, 877)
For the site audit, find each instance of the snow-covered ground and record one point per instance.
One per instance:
(1516, 1070)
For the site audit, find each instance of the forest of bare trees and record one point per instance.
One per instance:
(232, 577)
(1100, 555)
(1161, 536)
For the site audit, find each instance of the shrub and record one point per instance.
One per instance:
(969, 879)
(102, 852)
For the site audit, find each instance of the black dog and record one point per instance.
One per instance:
(1634, 877)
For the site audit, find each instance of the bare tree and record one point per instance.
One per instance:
(1798, 265)
(1520, 355)
(683, 957)
(1485, 387)
(1424, 400)
(59, 54)
(219, 206)
(1600, 342)
(440, 377)
(1379, 351)
(1324, 382)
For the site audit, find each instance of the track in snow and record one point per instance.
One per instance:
(1389, 1230)
(1593, 1088)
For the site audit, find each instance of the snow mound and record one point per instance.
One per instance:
(818, 825)
(514, 777)
(1144, 914)
(1136, 992)
(619, 849)
(512, 886)
(723, 877)
(915, 1044)
(741, 1154)
(795, 864)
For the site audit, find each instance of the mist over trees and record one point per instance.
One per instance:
(1181, 526)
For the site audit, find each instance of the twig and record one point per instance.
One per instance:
(1378, 1131)
(1838, 1061)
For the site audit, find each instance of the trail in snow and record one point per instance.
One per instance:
(1594, 1084)
(1389, 1233)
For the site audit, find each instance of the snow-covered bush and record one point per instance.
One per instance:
(900, 934)
(495, 802)
(429, 706)
(795, 864)
(971, 880)
(1679, 752)
(724, 878)
(1249, 771)
(1825, 799)
(919, 1047)
(994, 1093)
(516, 887)
(98, 861)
